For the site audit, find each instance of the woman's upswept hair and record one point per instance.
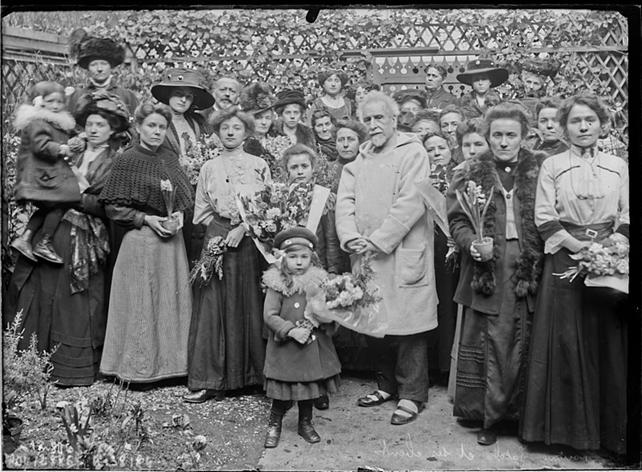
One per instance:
(589, 100)
(148, 108)
(509, 111)
(356, 126)
(220, 116)
(547, 102)
(473, 125)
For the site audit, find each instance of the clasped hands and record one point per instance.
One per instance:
(360, 246)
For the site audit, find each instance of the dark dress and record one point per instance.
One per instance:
(73, 320)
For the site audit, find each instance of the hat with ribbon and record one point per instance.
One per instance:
(287, 97)
(497, 75)
(295, 236)
(88, 48)
(191, 79)
(256, 98)
(103, 102)
(541, 67)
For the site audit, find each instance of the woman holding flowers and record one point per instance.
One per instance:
(577, 370)
(65, 305)
(183, 90)
(150, 300)
(226, 346)
(496, 288)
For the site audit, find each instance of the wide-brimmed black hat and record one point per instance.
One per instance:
(88, 48)
(102, 101)
(256, 98)
(287, 97)
(497, 75)
(541, 67)
(402, 96)
(187, 78)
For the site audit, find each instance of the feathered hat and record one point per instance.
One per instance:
(256, 98)
(88, 48)
(102, 101)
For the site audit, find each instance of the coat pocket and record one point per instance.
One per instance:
(411, 267)
(48, 177)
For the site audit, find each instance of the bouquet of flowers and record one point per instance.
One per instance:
(196, 154)
(169, 192)
(210, 263)
(350, 299)
(475, 205)
(439, 178)
(274, 208)
(602, 265)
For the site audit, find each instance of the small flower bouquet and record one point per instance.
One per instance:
(210, 262)
(475, 205)
(350, 299)
(168, 191)
(275, 146)
(274, 208)
(438, 178)
(601, 265)
(196, 154)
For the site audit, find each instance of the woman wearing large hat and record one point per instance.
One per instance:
(290, 107)
(483, 76)
(257, 100)
(98, 56)
(65, 305)
(185, 92)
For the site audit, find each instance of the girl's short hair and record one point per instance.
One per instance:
(591, 101)
(509, 111)
(218, 117)
(356, 126)
(473, 125)
(44, 88)
(148, 108)
(297, 149)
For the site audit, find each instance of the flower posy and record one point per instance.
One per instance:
(599, 260)
(211, 262)
(196, 154)
(474, 204)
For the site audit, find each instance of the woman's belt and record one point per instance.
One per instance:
(595, 231)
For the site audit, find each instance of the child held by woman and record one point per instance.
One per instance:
(301, 363)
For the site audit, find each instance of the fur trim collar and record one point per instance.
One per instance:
(274, 279)
(528, 266)
(27, 114)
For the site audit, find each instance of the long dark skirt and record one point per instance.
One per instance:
(73, 322)
(226, 345)
(440, 340)
(492, 356)
(576, 378)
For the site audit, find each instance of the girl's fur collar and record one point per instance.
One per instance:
(27, 114)
(273, 278)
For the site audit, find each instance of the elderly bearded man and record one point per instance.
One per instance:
(379, 210)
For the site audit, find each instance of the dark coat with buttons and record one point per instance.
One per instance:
(42, 175)
(285, 359)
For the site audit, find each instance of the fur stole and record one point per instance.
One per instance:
(273, 278)
(528, 266)
(27, 114)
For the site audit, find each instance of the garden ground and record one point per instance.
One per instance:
(352, 438)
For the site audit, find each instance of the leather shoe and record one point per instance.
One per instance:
(44, 250)
(486, 437)
(368, 401)
(201, 396)
(322, 403)
(307, 432)
(24, 247)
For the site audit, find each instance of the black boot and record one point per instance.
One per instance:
(306, 430)
(23, 245)
(273, 434)
(44, 250)
(322, 403)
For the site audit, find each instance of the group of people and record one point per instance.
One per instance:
(104, 264)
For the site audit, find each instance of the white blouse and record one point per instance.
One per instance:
(224, 177)
(581, 190)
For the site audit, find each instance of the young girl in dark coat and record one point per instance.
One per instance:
(44, 176)
(301, 363)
